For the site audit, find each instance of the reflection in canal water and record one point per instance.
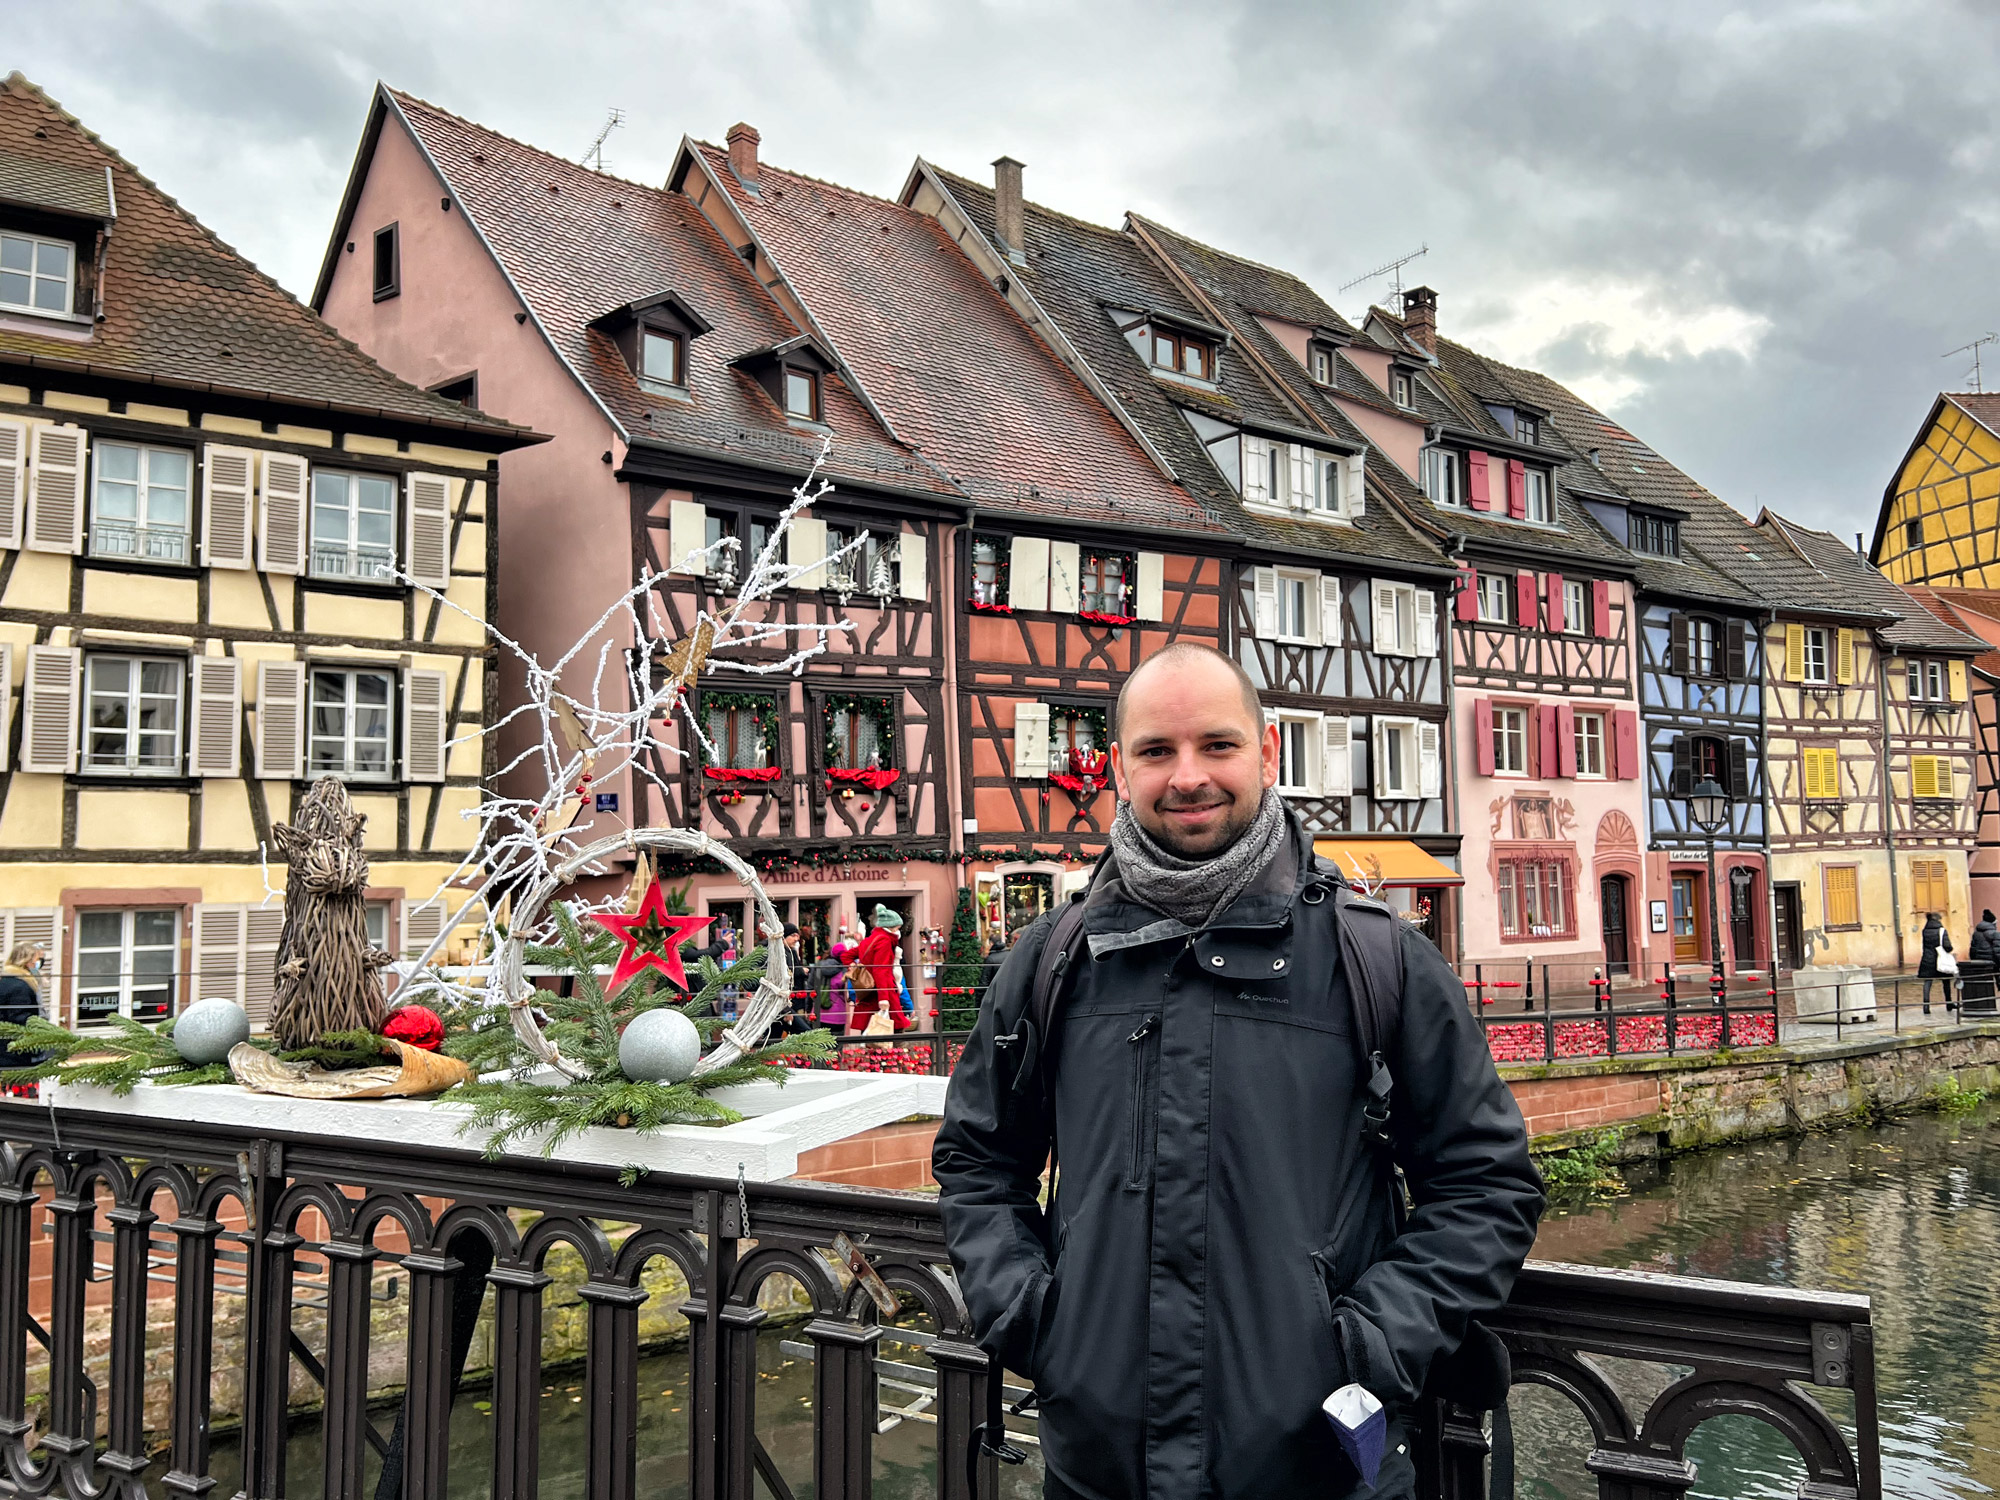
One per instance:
(1908, 1213)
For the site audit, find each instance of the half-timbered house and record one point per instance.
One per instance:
(1977, 613)
(1081, 555)
(1939, 521)
(688, 391)
(1331, 603)
(214, 515)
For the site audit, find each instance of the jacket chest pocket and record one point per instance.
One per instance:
(1145, 1046)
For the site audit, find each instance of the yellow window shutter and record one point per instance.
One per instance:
(1958, 690)
(1923, 776)
(1843, 671)
(1795, 653)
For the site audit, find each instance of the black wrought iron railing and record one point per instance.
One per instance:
(276, 1247)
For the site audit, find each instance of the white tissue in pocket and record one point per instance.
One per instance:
(1351, 1406)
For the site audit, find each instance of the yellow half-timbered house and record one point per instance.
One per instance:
(214, 517)
(1940, 517)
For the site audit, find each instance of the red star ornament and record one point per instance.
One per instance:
(652, 939)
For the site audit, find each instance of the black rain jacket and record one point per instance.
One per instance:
(1221, 1253)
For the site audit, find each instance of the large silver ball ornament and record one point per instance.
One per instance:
(659, 1046)
(207, 1030)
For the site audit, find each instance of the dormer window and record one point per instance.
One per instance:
(662, 357)
(36, 274)
(801, 394)
(1440, 477)
(1527, 429)
(1659, 536)
(1402, 388)
(654, 334)
(1322, 365)
(1182, 354)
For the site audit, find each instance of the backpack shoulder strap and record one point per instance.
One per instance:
(1371, 950)
(1032, 1031)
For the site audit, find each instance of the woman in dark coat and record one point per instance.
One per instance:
(1935, 938)
(20, 992)
(1984, 951)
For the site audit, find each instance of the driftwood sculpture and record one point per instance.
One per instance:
(326, 978)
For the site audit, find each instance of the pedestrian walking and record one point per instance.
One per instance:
(879, 951)
(1984, 954)
(1938, 962)
(1241, 1049)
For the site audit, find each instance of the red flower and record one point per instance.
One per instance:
(416, 1026)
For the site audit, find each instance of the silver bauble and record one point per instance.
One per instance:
(659, 1046)
(207, 1030)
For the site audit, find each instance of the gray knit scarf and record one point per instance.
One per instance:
(1196, 891)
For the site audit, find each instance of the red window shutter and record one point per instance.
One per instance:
(1478, 485)
(1468, 593)
(1600, 609)
(1552, 590)
(1526, 601)
(1517, 489)
(1625, 737)
(1482, 735)
(1566, 739)
(1547, 754)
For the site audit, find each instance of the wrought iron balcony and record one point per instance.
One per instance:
(161, 544)
(338, 560)
(223, 1213)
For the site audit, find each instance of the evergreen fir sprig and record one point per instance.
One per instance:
(344, 1049)
(131, 1053)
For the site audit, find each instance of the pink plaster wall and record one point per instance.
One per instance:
(1402, 438)
(1295, 337)
(564, 524)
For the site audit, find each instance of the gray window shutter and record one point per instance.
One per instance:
(217, 940)
(425, 709)
(427, 530)
(13, 481)
(281, 534)
(49, 689)
(281, 720)
(262, 927)
(228, 486)
(1739, 769)
(214, 742)
(55, 489)
(422, 922)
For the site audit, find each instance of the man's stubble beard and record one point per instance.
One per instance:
(1236, 822)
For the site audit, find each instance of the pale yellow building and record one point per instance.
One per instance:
(218, 525)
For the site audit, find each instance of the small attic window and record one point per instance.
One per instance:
(37, 274)
(1527, 429)
(801, 393)
(662, 357)
(388, 262)
(1402, 388)
(1322, 364)
(464, 390)
(1183, 354)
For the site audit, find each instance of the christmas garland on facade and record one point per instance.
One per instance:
(881, 710)
(1002, 577)
(1118, 611)
(766, 718)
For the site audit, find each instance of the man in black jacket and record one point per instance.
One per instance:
(1221, 1253)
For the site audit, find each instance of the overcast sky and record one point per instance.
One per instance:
(1750, 233)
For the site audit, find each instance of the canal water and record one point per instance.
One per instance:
(1908, 1213)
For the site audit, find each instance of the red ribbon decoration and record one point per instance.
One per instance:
(869, 776)
(1098, 617)
(743, 773)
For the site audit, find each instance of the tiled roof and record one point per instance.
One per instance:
(37, 182)
(578, 244)
(1915, 626)
(1974, 611)
(184, 310)
(1982, 406)
(1076, 271)
(949, 362)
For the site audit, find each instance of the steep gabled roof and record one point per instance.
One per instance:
(950, 363)
(1912, 626)
(578, 244)
(1079, 273)
(183, 310)
(1974, 611)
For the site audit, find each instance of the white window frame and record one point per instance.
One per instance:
(1539, 498)
(1403, 388)
(1306, 586)
(1927, 681)
(651, 378)
(1496, 598)
(126, 950)
(1304, 729)
(349, 769)
(1063, 724)
(1397, 753)
(1589, 746)
(1322, 365)
(134, 700)
(1576, 607)
(35, 275)
(1439, 470)
(1817, 639)
(1510, 728)
(351, 550)
(139, 528)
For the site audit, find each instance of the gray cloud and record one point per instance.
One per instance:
(1753, 231)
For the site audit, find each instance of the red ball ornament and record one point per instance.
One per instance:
(416, 1026)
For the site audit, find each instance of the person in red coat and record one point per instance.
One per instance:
(880, 951)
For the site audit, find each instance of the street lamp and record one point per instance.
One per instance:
(1708, 805)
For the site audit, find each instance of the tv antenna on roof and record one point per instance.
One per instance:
(593, 154)
(1393, 270)
(1973, 349)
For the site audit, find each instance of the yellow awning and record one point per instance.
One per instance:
(1386, 862)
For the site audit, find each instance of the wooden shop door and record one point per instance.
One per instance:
(1687, 919)
(1617, 944)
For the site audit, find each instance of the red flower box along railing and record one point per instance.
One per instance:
(978, 607)
(872, 777)
(1099, 617)
(743, 773)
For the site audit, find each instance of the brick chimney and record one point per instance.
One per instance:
(1007, 208)
(1420, 317)
(743, 141)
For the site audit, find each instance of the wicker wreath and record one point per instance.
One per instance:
(507, 985)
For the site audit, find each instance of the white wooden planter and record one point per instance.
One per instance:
(814, 1108)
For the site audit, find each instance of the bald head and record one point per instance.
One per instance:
(1178, 661)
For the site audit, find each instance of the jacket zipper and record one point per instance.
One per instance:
(1141, 1054)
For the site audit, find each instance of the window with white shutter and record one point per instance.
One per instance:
(42, 926)
(218, 951)
(687, 532)
(281, 534)
(424, 713)
(262, 928)
(1329, 610)
(422, 922)
(1265, 602)
(1151, 599)
(1031, 740)
(1028, 573)
(55, 489)
(1426, 606)
(13, 480)
(6, 699)
(1398, 773)
(1299, 486)
(911, 581)
(1257, 471)
(1388, 637)
(1430, 761)
(1354, 486)
(48, 709)
(1337, 775)
(215, 745)
(1301, 752)
(281, 720)
(805, 549)
(1065, 573)
(427, 529)
(227, 483)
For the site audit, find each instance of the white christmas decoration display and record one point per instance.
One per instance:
(207, 1030)
(659, 1046)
